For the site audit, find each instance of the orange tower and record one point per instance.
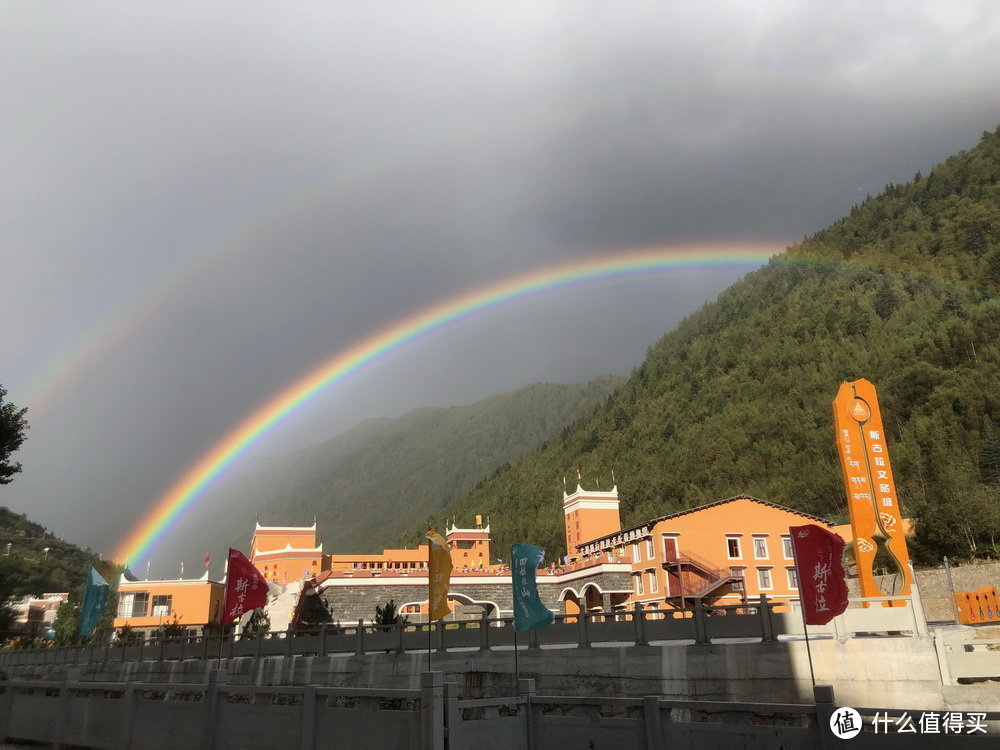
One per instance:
(469, 547)
(589, 515)
(286, 553)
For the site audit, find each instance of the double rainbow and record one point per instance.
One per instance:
(169, 507)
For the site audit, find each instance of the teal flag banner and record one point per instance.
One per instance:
(95, 596)
(529, 612)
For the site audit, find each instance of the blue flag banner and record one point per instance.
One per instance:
(529, 612)
(95, 596)
(128, 575)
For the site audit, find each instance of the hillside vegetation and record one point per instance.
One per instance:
(737, 399)
(25, 566)
(387, 476)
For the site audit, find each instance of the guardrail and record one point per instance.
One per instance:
(154, 716)
(761, 619)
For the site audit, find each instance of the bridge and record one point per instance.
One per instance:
(735, 678)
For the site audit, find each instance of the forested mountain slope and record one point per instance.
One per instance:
(737, 399)
(386, 476)
(33, 560)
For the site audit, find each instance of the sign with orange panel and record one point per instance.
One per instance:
(879, 541)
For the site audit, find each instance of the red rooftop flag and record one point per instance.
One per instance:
(246, 588)
(818, 559)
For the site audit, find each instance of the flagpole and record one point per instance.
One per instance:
(802, 611)
(517, 670)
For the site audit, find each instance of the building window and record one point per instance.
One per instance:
(786, 547)
(133, 604)
(635, 552)
(652, 582)
(161, 605)
(793, 578)
(649, 548)
(764, 579)
(671, 549)
(760, 547)
(638, 584)
(733, 547)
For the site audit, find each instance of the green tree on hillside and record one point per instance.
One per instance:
(12, 428)
(904, 291)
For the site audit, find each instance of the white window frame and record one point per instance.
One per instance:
(761, 574)
(786, 547)
(161, 610)
(653, 584)
(739, 546)
(638, 585)
(793, 578)
(635, 552)
(650, 548)
(762, 540)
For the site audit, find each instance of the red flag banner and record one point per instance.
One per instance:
(819, 558)
(246, 588)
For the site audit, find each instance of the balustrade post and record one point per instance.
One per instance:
(583, 637)
(484, 632)
(63, 712)
(125, 718)
(359, 638)
(639, 624)
(700, 628)
(6, 707)
(432, 710)
(652, 724)
(764, 609)
(526, 689)
(308, 718)
(211, 708)
(399, 636)
(322, 638)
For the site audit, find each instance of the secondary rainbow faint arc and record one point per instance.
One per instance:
(345, 362)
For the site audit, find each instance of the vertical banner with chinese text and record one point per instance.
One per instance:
(246, 588)
(879, 542)
(95, 597)
(439, 576)
(819, 563)
(529, 612)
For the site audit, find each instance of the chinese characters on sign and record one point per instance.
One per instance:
(529, 612)
(818, 561)
(871, 490)
(439, 576)
(246, 588)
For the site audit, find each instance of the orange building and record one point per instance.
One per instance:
(285, 554)
(145, 606)
(719, 553)
(589, 515)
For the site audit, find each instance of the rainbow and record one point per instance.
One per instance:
(169, 507)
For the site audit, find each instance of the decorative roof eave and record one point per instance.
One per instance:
(644, 528)
(285, 529)
(680, 513)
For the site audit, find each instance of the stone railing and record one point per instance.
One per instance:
(757, 619)
(149, 716)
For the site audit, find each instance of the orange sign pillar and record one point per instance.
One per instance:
(879, 542)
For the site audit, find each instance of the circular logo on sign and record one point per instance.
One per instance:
(860, 411)
(845, 723)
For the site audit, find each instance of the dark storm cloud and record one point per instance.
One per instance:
(308, 174)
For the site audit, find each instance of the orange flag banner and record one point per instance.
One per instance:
(879, 541)
(439, 570)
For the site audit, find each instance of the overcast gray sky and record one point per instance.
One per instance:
(199, 202)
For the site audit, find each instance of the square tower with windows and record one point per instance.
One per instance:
(589, 515)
